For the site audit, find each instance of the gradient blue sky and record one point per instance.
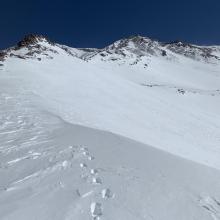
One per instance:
(97, 23)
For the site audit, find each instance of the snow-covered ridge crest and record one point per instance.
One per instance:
(131, 51)
(31, 46)
(193, 51)
(39, 47)
(132, 47)
(139, 47)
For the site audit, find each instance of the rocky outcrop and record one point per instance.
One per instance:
(191, 51)
(2, 55)
(31, 39)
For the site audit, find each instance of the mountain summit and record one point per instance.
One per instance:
(31, 39)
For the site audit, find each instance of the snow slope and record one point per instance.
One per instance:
(59, 105)
(51, 169)
(175, 98)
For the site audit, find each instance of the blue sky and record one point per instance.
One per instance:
(97, 23)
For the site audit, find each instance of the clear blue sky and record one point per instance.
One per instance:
(96, 23)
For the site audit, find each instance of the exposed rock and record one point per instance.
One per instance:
(2, 55)
(30, 39)
(164, 53)
(191, 51)
(18, 56)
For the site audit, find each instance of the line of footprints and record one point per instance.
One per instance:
(96, 209)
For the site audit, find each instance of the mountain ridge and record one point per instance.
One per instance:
(133, 46)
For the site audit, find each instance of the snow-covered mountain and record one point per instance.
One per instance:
(133, 47)
(130, 131)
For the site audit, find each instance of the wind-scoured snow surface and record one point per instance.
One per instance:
(131, 131)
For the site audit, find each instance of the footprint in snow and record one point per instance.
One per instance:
(91, 158)
(93, 171)
(85, 153)
(83, 165)
(96, 180)
(107, 194)
(96, 210)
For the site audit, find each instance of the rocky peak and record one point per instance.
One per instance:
(139, 39)
(136, 40)
(134, 46)
(32, 46)
(31, 39)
